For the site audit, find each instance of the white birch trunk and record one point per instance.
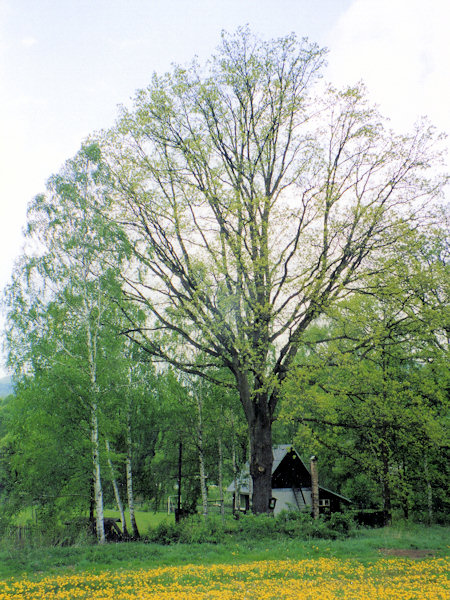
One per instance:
(98, 491)
(129, 471)
(116, 490)
(201, 458)
(221, 500)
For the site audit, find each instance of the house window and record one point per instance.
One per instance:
(325, 502)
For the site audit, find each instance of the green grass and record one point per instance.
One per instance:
(364, 546)
(25, 516)
(145, 520)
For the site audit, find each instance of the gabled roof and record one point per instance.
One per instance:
(335, 494)
(244, 479)
(279, 453)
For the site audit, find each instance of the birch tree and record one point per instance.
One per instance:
(129, 473)
(201, 454)
(253, 200)
(116, 489)
(69, 267)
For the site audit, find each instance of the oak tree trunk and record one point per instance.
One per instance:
(259, 418)
(261, 459)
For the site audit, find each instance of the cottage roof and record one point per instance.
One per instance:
(279, 453)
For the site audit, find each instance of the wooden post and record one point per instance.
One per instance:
(429, 490)
(314, 487)
(178, 510)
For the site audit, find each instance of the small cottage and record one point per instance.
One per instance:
(291, 485)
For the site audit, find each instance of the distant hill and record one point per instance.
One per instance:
(5, 387)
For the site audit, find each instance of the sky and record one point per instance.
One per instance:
(66, 65)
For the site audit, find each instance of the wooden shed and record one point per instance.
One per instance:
(291, 485)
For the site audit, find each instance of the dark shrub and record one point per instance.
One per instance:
(197, 530)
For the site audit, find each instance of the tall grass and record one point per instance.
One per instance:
(38, 560)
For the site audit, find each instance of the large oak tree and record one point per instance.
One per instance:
(253, 198)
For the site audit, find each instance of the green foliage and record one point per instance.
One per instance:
(253, 527)
(192, 530)
(369, 393)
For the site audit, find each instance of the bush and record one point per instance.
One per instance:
(191, 530)
(302, 525)
(197, 530)
(341, 523)
(257, 526)
(165, 533)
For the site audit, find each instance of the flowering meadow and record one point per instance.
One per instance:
(327, 578)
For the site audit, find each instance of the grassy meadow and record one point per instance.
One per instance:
(145, 520)
(399, 562)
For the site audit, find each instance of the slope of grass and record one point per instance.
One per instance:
(364, 546)
(145, 520)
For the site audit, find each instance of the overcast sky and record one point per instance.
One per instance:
(65, 65)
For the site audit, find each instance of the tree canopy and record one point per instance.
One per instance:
(253, 199)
